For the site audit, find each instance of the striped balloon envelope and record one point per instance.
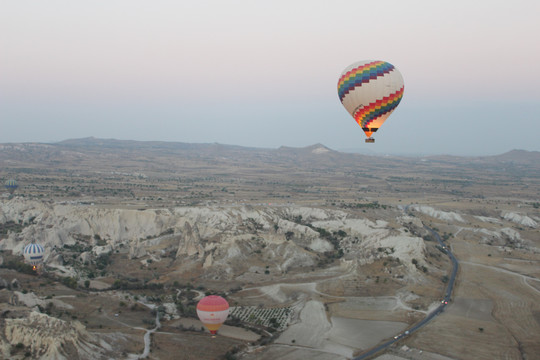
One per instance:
(370, 90)
(11, 185)
(213, 311)
(33, 254)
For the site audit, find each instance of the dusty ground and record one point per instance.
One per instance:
(225, 330)
(332, 326)
(406, 353)
(494, 313)
(189, 346)
(496, 302)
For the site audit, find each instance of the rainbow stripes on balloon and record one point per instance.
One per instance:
(370, 90)
(366, 115)
(362, 75)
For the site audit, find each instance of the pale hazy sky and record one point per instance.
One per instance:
(264, 73)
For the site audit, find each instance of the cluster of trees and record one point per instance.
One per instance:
(418, 266)
(371, 205)
(334, 238)
(11, 226)
(16, 263)
(135, 284)
(272, 318)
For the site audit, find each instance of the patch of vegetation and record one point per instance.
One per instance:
(428, 237)
(70, 282)
(135, 284)
(11, 226)
(78, 247)
(274, 318)
(99, 240)
(335, 239)
(371, 205)
(102, 261)
(18, 265)
(386, 250)
(418, 266)
(169, 231)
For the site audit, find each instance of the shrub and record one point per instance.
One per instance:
(69, 282)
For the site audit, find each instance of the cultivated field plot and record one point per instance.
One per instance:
(277, 318)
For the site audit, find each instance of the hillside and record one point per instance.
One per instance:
(160, 173)
(313, 247)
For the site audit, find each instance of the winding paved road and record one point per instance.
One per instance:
(430, 316)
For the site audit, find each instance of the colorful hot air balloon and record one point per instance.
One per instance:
(370, 90)
(11, 185)
(213, 311)
(33, 254)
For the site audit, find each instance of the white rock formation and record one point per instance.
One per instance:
(48, 337)
(190, 242)
(102, 250)
(137, 249)
(489, 219)
(519, 219)
(225, 240)
(30, 300)
(443, 215)
(410, 220)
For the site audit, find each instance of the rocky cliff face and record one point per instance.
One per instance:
(224, 241)
(190, 242)
(242, 243)
(47, 337)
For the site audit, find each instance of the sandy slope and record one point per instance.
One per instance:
(337, 335)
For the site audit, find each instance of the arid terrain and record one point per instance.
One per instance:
(320, 254)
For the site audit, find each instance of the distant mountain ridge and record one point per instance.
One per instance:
(512, 155)
(309, 156)
(114, 143)
(519, 156)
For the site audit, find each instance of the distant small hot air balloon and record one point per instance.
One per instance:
(370, 90)
(11, 185)
(33, 255)
(213, 311)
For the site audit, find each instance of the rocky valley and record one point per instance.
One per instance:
(319, 253)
